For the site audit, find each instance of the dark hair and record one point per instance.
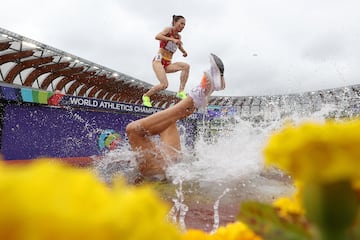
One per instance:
(176, 18)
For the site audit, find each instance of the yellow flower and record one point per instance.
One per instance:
(287, 206)
(317, 152)
(235, 231)
(290, 205)
(232, 231)
(46, 200)
(195, 234)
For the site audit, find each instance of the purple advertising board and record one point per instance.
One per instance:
(36, 123)
(32, 131)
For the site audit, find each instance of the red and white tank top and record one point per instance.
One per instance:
(170, 45)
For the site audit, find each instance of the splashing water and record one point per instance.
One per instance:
(178, 211)
(119, 161)
(225, 164)
(235, 153)
(216, 210)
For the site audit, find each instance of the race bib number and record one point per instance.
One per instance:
(158, 57)
(171, 46)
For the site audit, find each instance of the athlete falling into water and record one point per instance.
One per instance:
(170, 41)
(152, 158)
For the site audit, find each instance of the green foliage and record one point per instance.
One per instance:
(264, 220)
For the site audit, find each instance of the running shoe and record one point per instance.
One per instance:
(216, 72)
(213, 79)
(181, 95)
(199, 97)
(146, 101)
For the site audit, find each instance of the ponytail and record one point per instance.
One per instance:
(176, 18)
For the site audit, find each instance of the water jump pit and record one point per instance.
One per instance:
(206, 189)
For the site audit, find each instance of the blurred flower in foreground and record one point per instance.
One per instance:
(326, 158)
(45, 200)
(317, 152)
(290, 205)
(235, 231)
(232, 231)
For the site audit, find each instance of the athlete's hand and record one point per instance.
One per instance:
(177, 41)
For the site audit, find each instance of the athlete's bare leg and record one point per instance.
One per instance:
(161, 76)
(184, 68)
(171, 139)
(160, 73)
(150, 160)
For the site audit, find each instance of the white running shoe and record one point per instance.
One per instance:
(216, 72)
(213, 79)
(199, 97)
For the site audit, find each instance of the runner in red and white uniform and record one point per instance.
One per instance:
(170, 41)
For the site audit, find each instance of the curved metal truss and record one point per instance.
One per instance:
(32, 64)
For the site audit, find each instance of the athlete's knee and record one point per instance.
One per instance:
(131, 129)
(186, 66)
(163, 86)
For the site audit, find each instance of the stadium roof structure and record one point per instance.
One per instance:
(32, 64)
